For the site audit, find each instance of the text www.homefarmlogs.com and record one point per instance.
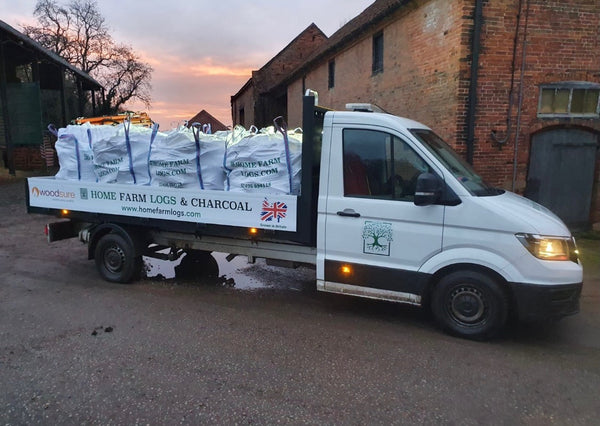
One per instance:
(160, 211)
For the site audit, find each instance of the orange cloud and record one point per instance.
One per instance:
(182, 87)
(200, 67)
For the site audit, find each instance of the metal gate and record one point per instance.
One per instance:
(561, 173)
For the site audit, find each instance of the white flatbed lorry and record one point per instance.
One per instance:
(387, 211)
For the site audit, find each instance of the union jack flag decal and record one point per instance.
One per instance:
(276, 210)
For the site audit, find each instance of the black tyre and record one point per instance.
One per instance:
(469, 304)
(197, 265)
(116, 259)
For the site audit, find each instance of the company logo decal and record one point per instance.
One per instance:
(51, 193)
(377, 237)
(274, 211)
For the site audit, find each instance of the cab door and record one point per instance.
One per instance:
(376, 238)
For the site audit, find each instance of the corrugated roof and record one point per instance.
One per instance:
(49, 54)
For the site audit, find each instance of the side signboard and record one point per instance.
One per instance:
(267, 211)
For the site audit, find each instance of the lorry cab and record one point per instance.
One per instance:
(402, 217)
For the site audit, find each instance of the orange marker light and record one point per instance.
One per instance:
(346, 270)
(253, 231)
(65, 212)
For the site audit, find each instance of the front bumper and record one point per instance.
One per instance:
(545, 302)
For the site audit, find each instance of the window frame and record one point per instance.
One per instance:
(378, 49)
(392, 157)
(331, 74)
(571, 87)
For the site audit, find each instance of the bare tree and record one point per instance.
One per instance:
(126, 77)
(78, 32)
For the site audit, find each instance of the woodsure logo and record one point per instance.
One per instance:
(52, 193)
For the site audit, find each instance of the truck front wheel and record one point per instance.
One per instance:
(469, 304)
(116, 259)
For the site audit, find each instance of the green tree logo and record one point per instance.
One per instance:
(377, 237)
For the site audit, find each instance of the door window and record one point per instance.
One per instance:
(380, 165)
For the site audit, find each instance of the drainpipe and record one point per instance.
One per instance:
(475, 48)
(494, 135)
(520, 107)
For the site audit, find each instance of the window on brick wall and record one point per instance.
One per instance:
(569, 99)
(331, 75)
(378, 53)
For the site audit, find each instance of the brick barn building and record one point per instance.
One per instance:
(513, 85)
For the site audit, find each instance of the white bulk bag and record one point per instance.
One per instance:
(74, 149)
(211, 149)
(188, 158)
(265, 162)
(173, 160)
(123, 158)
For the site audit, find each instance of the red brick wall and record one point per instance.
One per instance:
(563, 44)
(422, 60)
(28, 158)
(427, 59)
(289, 58)
(271, 74)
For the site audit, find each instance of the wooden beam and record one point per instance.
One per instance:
(6, 118)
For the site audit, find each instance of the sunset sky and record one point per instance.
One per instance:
(203, 51)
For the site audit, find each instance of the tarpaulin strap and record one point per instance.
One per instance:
(126, 125)
(52, 129)
(78, 158)
(232, 139)
(207, 128)
(152, 136)
(196, 131)
(286, 143)
(73, 139)
(89, 134)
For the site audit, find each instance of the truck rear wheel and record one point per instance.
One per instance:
(469, 304)
(116, 259)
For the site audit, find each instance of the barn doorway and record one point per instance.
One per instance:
(561, 173)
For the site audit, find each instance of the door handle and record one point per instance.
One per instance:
(348, 213)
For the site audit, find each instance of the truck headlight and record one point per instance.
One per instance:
(550, 248)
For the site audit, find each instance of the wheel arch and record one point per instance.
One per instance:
(132, 235)
(466, 266)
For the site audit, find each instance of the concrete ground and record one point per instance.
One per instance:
(77, 350)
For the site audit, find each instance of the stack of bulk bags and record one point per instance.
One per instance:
(123, 157)
(74, 149)
(188, 158)
(269, 161)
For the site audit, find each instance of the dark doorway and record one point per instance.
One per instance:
(561, 173)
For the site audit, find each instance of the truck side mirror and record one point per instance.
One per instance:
(428, 189)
